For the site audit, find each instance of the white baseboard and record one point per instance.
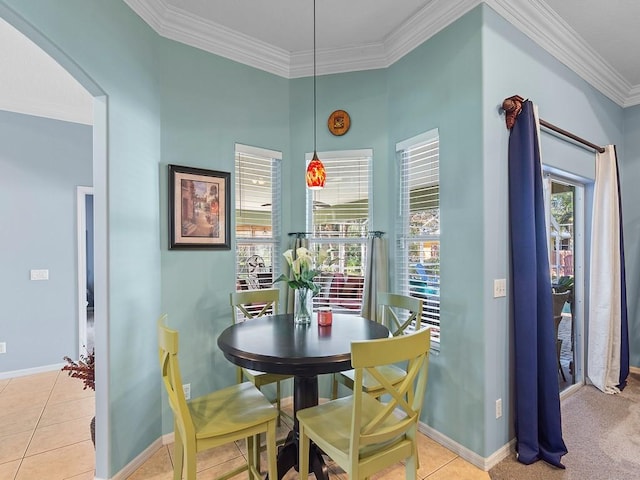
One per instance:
(481, 462)
(168, 438)
(31, 371)
(499, 455)
(463, 452)
(137, 462)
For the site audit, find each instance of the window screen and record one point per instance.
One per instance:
(338, 217)
(418, 246)
(257, 215)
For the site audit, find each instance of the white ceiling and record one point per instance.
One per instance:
(31, 82)
(594, 38)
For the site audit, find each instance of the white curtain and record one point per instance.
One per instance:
(605, 293)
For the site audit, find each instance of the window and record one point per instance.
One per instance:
(418, 246)
(257, 215)
(338, 217)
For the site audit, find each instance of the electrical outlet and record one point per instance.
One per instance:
(186, 388)
(3, 347)
(498, 408)
(499, 287)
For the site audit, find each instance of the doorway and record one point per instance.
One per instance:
(98, 117)
(84, 225)
(564, 208)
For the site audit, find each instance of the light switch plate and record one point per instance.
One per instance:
(40, 274)
(499, 287)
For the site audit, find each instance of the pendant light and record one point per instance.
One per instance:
(316, 175)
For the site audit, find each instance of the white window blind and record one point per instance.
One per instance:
(338, 217)
(257, 215)
(418, 246)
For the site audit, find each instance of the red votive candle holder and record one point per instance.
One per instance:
(325, 316)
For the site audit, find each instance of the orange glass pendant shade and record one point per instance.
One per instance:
(316, 176)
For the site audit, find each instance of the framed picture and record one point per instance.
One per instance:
(199, 208)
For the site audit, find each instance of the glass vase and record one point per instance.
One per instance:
(303, 306)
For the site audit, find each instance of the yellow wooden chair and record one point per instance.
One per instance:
(396, 312)
(358, 432)
(233, 413)
(252, 304)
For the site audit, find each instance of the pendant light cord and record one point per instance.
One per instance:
(314, 77)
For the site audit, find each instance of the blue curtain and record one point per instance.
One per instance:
(537, 397)
(624, 327)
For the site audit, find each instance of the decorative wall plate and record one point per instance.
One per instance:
(339, 122)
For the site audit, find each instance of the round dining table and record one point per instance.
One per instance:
(275, 344)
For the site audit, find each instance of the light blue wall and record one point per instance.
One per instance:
(513, 64)
(42, 162)
(438, 85)
(109, 48)
(204, 113)
(364, 96)
(630, 179)
(169, 103)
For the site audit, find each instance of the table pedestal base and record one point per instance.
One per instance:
(305, 394)
(288, 458)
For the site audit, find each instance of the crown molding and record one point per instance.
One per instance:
(534, 18)
(537, 21)
(184, 27)
(153, 13)
(339, 60)
(633, 98)
(433, 18)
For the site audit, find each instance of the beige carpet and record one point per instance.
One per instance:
(602, 434)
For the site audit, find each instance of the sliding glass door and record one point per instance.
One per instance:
(565, 233)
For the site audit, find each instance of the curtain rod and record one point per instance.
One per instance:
(512, 107)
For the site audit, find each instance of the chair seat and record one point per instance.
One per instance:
(331, 422)
(238, 412)
(361, 434)
(211, 414)
(371, 385)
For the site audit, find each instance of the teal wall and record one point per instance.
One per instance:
(169, 103)
(364, 96)
(42, 161)
(110, 49)
(630, 179)
(204, 113)
(513, 64)
(438, 85)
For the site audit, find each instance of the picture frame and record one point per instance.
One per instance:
(199, 208)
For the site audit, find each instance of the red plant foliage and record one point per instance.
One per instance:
(84, 369)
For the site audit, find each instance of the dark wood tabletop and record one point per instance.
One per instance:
(274, 344)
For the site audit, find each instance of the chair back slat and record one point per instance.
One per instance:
(254, 303)
(168, 341)
(403, 397)
(397, 312)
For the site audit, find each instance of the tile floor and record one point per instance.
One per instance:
(44, 428)
(45, 435)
